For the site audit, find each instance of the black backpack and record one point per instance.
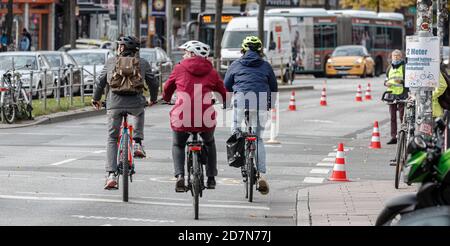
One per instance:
(444, 99)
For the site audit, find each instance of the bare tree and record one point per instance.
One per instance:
(218, 32)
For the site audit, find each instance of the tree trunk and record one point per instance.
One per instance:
(137, 19)
(262, 7)
(218, 33)
(9, 21)
(202, 6)
(73, 34)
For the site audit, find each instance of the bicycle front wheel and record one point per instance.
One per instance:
(399, 158)
(9, 113)
(196, 184)
(125, 168)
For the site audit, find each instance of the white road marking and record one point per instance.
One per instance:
(52, 177)
(14, 175)
(62, 162)
(273, 146)
(81, 199)
(37, 193)
(320, 170)
(329, 159)
(122, 219)
(106, 225)
(320, 121)
(313, 180)
(99, 151)
(327, 164)
(332, 154)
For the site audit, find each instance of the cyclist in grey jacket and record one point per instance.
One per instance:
(118, 104)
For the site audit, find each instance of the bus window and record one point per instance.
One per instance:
(329, 36)
(380, 38)
(394, 38)
(362, 36)
(317, 37)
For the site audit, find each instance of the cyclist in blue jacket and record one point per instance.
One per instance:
(254, 84)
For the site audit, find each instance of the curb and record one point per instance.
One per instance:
(59, 117)
(303, 215)
(295, 87)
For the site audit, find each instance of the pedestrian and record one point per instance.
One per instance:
(125, 95)
(193, 78)
(3, 42)
(25, 43)
(395, 83)
(29, 38)
(437, 108)
(252, 77)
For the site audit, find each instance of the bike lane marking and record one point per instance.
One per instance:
(62, 162)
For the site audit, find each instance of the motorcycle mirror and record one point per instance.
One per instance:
(439, 124)
(417, 144)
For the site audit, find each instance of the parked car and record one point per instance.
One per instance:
(62, 61)
(159, 60)
(350, 60)
(26, 63)
(89, 44)
(92, 61)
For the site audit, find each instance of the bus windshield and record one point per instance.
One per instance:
(233, 39)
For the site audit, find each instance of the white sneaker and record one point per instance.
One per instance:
(111, 182)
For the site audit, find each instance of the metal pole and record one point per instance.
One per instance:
(137, 19)
(45, 90)
(72, 25)
(82, 85)
(218, 33)
(71, 86)
(58, 89)
(160, 78)
(424, 119)
(119, 18)
(262, 7)
(442, 16)
(169, 27)
(31, 88)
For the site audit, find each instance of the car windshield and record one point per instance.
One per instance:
(20, 62)
(349, 51)
(233, 39)
(86, 59)
(55, 60)
(150, 56)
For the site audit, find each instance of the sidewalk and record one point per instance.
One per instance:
(345, 204)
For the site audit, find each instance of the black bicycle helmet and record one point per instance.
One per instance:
(131, 43)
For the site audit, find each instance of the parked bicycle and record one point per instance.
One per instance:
(14, 100)
(405, 134)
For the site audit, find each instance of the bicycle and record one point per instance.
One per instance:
(195, 182)
(406, 133)
(14, 99)
(249, 171)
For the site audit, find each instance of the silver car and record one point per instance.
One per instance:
(30, 63)
(160, 61)
(92, 61)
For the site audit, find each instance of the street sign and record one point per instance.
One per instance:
(422, 67)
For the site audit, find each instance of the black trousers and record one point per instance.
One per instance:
(179, 152)
(393, 108)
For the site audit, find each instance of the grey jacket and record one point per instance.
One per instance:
(115, 101)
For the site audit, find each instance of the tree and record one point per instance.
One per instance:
(9, 21)
(380, 5)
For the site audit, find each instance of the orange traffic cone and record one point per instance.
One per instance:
(323, 98)
(339, 173)
(375, 143)
(368, 96)
(292, 106)
(359, 94)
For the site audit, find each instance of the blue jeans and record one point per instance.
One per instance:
(257, 121)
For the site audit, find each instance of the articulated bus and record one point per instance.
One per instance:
(316, 32)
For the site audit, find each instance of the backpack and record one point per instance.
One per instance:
(444, 99)
(127, 79)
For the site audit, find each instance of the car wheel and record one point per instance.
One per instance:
(364, 73)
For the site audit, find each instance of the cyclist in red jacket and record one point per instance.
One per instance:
(193, 80)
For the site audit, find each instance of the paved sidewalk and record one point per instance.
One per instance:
(345, 204)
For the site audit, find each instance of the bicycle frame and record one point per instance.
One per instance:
(126, 132)
(195, 171)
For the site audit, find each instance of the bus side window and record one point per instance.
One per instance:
(272, 44)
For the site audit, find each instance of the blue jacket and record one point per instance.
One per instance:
(251, 73)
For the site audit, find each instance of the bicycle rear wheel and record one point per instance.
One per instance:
(9, 113)
(399, 158)
(196, 184)
(125, 168)
(250, 179)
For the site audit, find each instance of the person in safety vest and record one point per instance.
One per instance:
(395, 81)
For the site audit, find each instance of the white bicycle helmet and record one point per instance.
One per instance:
(196, 47)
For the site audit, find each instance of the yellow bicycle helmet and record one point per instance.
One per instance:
(253, 42)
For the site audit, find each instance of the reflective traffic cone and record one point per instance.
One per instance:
(292, 106)
(339, 173)
(359, 94)
(375, 143)
(323, 98)
(273, 125)
(368, 95)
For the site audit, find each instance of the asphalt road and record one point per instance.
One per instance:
(54, 174)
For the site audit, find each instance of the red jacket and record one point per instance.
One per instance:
(194, 80)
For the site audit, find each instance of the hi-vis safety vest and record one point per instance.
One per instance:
(395, 80)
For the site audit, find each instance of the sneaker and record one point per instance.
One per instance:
(392, 141)
(263, 186)
(179, 186)
(211, 183)
(139, 151)
(111, 182)
(393, 163)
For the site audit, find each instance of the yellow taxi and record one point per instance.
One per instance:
(350, 60)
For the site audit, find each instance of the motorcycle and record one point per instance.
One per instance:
(430, 167)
